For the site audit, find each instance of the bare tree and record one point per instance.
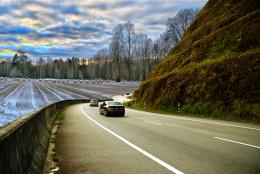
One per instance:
(129, 34)
(144, 45)
(177, 25)
(40, 64)
(116, 48)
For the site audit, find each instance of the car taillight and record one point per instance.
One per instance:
(109, 108)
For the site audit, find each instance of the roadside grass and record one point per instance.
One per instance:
(52, 158)
(197, 110)
(60, 115)
(129, 97)
(58, 122)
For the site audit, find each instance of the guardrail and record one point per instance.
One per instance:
(24, 142)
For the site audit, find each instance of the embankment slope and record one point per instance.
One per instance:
(215, 69)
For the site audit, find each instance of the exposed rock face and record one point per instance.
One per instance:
(216, 64)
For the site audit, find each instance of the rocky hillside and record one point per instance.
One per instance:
(215, 69)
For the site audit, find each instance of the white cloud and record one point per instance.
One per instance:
(84, 25)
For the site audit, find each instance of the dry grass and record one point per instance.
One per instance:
(217, 62)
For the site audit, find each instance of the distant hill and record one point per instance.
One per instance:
(215, 69)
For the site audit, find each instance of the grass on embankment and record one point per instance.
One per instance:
(214, 70)
(198, 110)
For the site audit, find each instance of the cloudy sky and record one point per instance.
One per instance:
(78, 28)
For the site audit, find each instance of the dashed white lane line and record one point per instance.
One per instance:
(153, 122)
(157, 160)
(195, 120)
(147, 121)
(237, 142)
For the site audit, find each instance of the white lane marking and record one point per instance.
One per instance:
(237, 142)
(33, 96)
(43, 94)
(201, 121)
(162, 163)
(137, 118)
(148, 121)
(45, 87)
(152, 122)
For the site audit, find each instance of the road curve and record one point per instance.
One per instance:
(149, 143)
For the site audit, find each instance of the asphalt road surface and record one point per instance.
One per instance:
(148, 143)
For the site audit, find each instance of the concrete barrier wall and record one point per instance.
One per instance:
(24, 142)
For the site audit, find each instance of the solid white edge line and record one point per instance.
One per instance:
(237, 142)
(157, 160)
(201, 121)
(152, 122)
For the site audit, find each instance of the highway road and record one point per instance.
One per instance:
(149, 143)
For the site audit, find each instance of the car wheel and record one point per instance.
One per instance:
(105, 113)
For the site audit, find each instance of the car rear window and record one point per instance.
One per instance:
(114, 103)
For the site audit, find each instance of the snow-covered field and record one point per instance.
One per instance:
(21, 96)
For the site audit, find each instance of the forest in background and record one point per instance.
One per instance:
(131, 55)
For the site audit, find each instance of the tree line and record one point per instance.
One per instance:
(131, 55)
(70, 68)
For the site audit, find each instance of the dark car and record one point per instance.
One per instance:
(93, 102)
(112, 108)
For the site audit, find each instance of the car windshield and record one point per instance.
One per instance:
(114, 103)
